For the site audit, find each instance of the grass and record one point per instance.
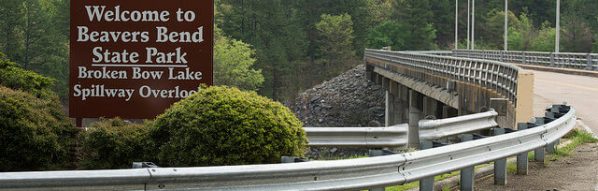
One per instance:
(577, 138)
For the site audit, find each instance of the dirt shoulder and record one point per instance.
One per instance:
(579, 171)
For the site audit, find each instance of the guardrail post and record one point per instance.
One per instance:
(539, 153)
(415, 114)
(374, 153)
(589, 62)
(552, 60)
(500, 165)
(551, 147)
(427, 183)
(522, 160)
(467, 174)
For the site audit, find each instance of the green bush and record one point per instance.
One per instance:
(34, 133)
(15, 77)
(114, 144)
(226, 126)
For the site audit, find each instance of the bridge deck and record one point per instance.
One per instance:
(580, 92)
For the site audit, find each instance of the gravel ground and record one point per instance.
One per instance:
(578, 172)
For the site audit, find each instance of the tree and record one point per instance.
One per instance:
(521, 35)
(336, 39)
(389, 33)
(544, 41)
(9, 21)
(416, 16)
(233, 62)
(35, 35)
(576, 34)
(379, 11)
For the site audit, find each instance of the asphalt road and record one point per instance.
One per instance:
(579, 91)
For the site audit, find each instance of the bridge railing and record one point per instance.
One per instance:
(498, 76)
(350, 174)
(586, 61)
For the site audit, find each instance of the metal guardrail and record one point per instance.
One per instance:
(586, 61)
(442, 128)
(498, 76)
(395, 136)
(348, 174)
(392, 136)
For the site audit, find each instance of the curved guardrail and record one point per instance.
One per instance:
(395, 136)
(348, 174)
(587, 61)
(498, 76)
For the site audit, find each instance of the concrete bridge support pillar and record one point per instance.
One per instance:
(430, 108)
(394, 105)
(448, 112)
(369, 72)
(390, 110)
(404, 97)
(416, 102)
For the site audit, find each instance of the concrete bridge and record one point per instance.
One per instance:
(435, 85)
(441, 84)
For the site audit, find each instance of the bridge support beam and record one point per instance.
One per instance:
(415, 114)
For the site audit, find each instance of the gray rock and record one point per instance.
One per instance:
(348, 100)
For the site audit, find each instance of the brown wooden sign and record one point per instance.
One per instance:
(135, 58)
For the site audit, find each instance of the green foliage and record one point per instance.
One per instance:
(15, 77)
(576, 34)
(34, 34)
(34, 133)
(522, 34)
(336, 38)
(115, 144)
(388, 33)
(544, 41)
(233, 62)
(226, 126)
(415, 16)
(379, 11)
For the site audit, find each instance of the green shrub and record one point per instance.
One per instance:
(15, 77)
(114, 143)
(34, 133)
(226, 126)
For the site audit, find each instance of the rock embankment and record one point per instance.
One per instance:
(348, 100)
